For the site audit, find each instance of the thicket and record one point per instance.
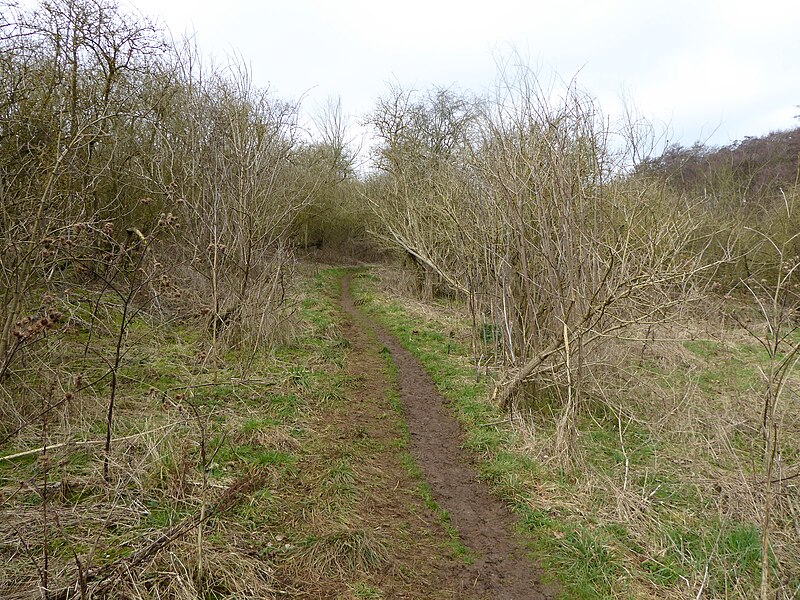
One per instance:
(573, 254)
(145, 195)
(130, 167)
(751, 171)
(520, 204)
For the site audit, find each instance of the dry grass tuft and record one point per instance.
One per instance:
(218, 570)
(342, 552)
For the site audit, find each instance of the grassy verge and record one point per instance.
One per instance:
(186, 430)
(655, 509)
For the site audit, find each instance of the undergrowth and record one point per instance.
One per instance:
(662, 503)
(188, 432)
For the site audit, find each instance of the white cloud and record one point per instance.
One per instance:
(722, 66)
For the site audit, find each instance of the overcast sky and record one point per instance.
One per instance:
(710, 70)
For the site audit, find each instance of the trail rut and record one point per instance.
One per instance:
(500, 569)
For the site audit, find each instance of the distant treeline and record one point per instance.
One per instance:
(753, 171)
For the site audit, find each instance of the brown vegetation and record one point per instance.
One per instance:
(151, 207)
(568, 253)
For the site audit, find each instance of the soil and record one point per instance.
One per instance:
(500, 568)
(421, 566)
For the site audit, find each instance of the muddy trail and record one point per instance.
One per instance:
(500, 568)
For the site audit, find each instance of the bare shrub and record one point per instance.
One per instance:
(520, 204)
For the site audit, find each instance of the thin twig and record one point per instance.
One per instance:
(82, 443)
(493, 423)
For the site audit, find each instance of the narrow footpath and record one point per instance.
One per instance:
(500, 569)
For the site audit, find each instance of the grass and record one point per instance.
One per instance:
(167, 403)
(656, 509)
(651, 510)
(342, 552)
(366, 592)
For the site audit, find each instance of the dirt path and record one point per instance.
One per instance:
(422, 566)
(500, 569)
